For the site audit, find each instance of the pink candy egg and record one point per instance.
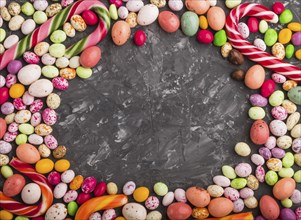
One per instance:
(14, 66)
(90, 17)
(60, 83)
(109, 214)
(49, 116)
(118, 3)
(71, 195)
(31, 57)
(10, 80)
(51, 142)
(279, 113)
(253, 24)
(139, 38)
(278, 78)
(3, 95)
(27, 98)
(66, 3)
(83, 197)
(152, 203)
(67, 176)
(89, 184)
(100, 189)
(7, 108)
(10, 136)
(13, 127)
(231, 193)
(36, 106)
(54, 178)
(267, 88)
(19, 105)
(205, 36)
(36, 119)
(278, 7)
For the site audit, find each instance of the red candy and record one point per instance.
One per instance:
(3, 95)
(90, 17)
(83, 197)
(90, 57)
(54, 178)
(253, 24)
(118, 3)
(278, 7)
(267, 88)
(205, 36)
(139, 37)
(100, 189)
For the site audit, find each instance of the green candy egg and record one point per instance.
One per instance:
(113, 12)
(40, 17)
(50, 71)
(27, 9)
(160, 189)
(83, 72)
(229, 172)
(286, 16)
(286, 172)
(189, 23)
(271, 178)
(21, 218)
(294, 95)
(232, 3)
(57, 50)
(238, 183)
(263, 26)
(289, 51)
(72, 208)
(58, 36)
(270, 37)
(256, 113)
(26, 128)
(288, 160)
(297, 176)
(276, 98)
(287, 203)
(21, 139)
(220, 38)
(2, 34)
(6, 171)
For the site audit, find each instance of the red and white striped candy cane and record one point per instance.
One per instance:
(253, 53)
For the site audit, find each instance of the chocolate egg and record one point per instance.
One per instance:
(168, 21)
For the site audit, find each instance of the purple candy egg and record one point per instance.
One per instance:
(298, 212)
(259, 217)
(296, 38)
(89, 184)
(265, 153)
(278, 152)
(296, 146)
(7, 108)
(258, 100)
(287, 214)
(14, 66)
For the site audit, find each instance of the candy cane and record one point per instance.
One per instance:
(249, 50)
(57, 21)
(100, 203)
(18, 208)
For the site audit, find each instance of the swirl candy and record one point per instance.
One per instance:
(18, 208)
(54, 23)
(100, 203)
(249, 50)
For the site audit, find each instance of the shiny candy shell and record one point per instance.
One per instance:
(49, 116)
(168, 199)
(40, 88)
(60, 190)
(78, 23)
(67, 176)
(179, 210)
(71, 195)
(129, 188)
(243, 29)
(31, 58)
(216, 18)
(279, 113)
(259, 132)
(278, 128)
(121, 32)
(231, 193)
(134, 211)
(56, 211)
(168, 21)
(60, 83)
(180, 195)
(90, 57)
(152, 203)
(31, 193)
(147, 14)
(175, 5)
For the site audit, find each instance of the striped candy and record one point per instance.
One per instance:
(249, 50)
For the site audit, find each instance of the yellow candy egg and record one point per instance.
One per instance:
(298, 54)
(61, 165)
(6, 215)
(203, 22)
(16, 90)
(141, 194)
(76, 182)
(44, 166)
(120, 218)
(294, 26)
(285, 36)
(112, 188)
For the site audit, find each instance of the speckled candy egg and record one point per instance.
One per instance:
(44, 151)
(31, 193)
(243, 169)
(200, 213)
(53, 101)
(68, 73)
(69, 30)
(67, 176)
(47, 59)
(238, 205)
(168, 199)
(279, 113)
(41, 48)
(10, 80)
(251, 202)
(278, 78)
(278, 51)
(260, 173)
(221, 180)
(215, 190)
(7, 108)
(257, 159)
(129, 188)
(180, 195)
(36, 106)
(50, 142)
(243, 29)
(4, 159)
(152, 203)
(95, 216)
(271, 142)
(31, 57)
(19, 104)
(134, 211)
(40, 88)
(296, 145)
(260, 44)
(54, 178)
(13, 127)
(252, 182)
(258, 100)
(60, 190)
(278, 128)
(296, 196)
(60, 83)
(71, 195)
(274, 164)
(78, 23)
(28, 26)
(35, 139)
(108, 214)
(231, 193)
(5, 147)
(246, 193)
(36, 119)
(89, 184)
(154, 215)
(59, 152)
(123, 12)
(43, 129)
(49, 116)
(22, 116)
(56, 211)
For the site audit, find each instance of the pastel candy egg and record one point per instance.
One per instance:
(22, 116)
(58, 36)
(6, 171)
(71, 195)
(259, 132)
(294, 94)
(189, 23)
(90, 56)
(199, 7)
(276, 98)
(36, 119)
(260, 44)
(43, 129)
(278, 50)
(13, 127)
(121, 32)
(40, 88)
(27, 153)
(216, 18)
(255, 77)
(2, 34)
(74, 62)
(122, 12)
(47, 59)
(231, 193)
(270, 37)
(168, 199)
(56, 211)
(109, 214)
(221, 181)
(49, 116)
(296, 145)
(296, 196)
(29, 74)
(4, 159)
(62, 62)
(278, 128)
(256, 113)
(10, 41)
(153, 215)
(168, 21)
(278, 78)
(60, 83)
(242, 149)
(53, 101)
(284, 36)
(83, 72)
(40, 5)
(246, 192)
(5, 147)
(243, 170)
(27, 98)
(57, 50)
(215, 190)
(134, 6)
(292, 120)
(60, 190)
(26, 129)
(258, 100)
(180, 195)
(160, 188)
(134, 211)
(295, 132)
(232, 3)
(7, 108)
(31, 193)
(286, 16)
(96, 216)
(35, 139)
(14, 66)
(279, 113)
(89, 184)
(51, 142)
(69, 30)
(175, 5)
(243, 29)
(40, 17)
(67, 176)
(289, 106)
(2, 81)
(129, 188)
(31, 57)
(50, 71)
(41, 48)
(257, 159)
(152, 203)
(78, 23)
(238, 205)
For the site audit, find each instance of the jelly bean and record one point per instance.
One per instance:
(298, 54)
(205, 36)
(285, 36)
(263, 26)
(90, 17)
(253, 24)
(278, 7)
(286, 16)
(139, 37)
(203, 22)
(220, 38)
(294, 26)
(289, 51)
(270, 37)
(296, 38)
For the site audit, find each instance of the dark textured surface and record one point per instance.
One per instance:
(167, 111)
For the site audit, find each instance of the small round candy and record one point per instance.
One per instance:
(175, 5)
(139, 37)
(40, 17)
(14, 66)
(40, 5)
(27, 9)
(160, 189)
(123, 12)
(16, 90)
(152, 203)
(90, 17)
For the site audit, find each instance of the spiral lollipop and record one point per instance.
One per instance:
(249, 50)
(18, 208)
(57, 21)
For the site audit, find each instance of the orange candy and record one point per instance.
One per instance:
(76, 182)
(16, 90)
